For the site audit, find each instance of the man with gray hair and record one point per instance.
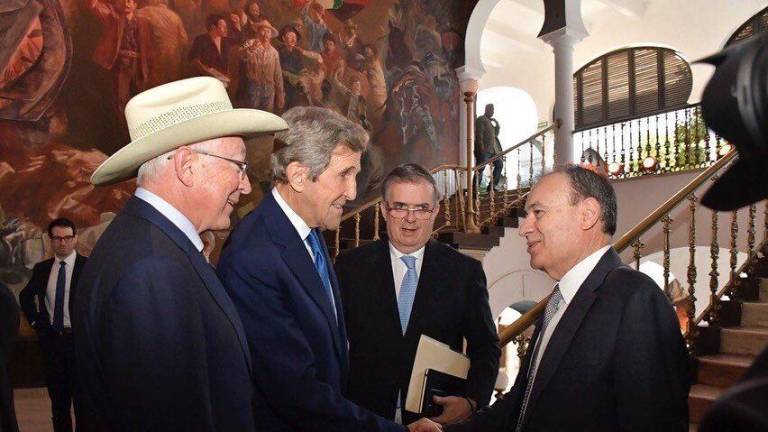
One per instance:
(159, 344)
(607, 354)
(278, 273)
(397, 289)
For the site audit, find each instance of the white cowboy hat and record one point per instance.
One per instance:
(176, 114)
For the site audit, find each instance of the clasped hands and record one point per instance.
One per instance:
(455, 409)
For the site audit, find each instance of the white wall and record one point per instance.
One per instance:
(694, 27)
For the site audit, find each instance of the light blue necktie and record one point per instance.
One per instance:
(321, 265)
(407, 291)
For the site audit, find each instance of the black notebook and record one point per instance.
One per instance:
(437, 383)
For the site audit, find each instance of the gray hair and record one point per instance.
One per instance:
(588, 184)
(409, 173)
(151, 169)
(313, 134)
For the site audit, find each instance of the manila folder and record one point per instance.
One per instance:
(433, 354)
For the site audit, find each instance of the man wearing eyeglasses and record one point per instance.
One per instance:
(395, 290)
(46, 302)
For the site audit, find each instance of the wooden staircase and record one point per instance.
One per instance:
(726, 353)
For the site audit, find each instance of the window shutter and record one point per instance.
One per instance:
(755, 25)
(646, 81)
(618, 85)
(677, 83)
(592, 93)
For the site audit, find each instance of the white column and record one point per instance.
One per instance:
(562, 42)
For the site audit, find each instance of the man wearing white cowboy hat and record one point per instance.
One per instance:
(159, 343)
(263, 77)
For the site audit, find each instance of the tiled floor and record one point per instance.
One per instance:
(33, 410)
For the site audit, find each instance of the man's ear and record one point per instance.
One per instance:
(298, 176)
(183, 166)
(590, 213)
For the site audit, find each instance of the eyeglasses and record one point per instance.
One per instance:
(402, 212)
(241, 165)
(63, 238)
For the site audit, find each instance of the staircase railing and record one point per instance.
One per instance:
(661, 216)
(669, 141)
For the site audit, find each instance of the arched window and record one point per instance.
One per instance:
(755, 25)
(630, 82)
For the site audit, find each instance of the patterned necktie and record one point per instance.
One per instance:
(407, 291)
(58, 305)
(321, 265)
(552, 306)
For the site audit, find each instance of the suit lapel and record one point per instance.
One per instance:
(569, 323)
(142, 209)
(430, 281)
(301, 265)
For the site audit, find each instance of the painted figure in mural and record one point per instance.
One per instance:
(353, 106)
(168, 39)
(292, 61)
(351, 45)
(331, 55)
(251, 19)
(260, 83)
(35, 56)
(47, 301)
(311, 80)
(377, 82)
(313, 15)
(279, 275)
(487, 146)
(210, 51)
(160, 346)
(122, 49)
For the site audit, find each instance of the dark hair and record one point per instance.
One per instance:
(409, 173)
(329, 37)
(212, 20)
(61, 222)
(588, 184)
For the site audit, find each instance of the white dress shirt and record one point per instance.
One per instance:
(176, 217)
(50, 289)
(301, 228)
(399, 268)
(569, 286)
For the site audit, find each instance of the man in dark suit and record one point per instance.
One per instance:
(159, 344)
(278, 273)
(9, 329)
(47, 303)
(388, 306)
(608, 354)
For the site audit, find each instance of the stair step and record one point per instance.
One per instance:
(722, 370)
(700, 399)
(743, 340)
(754, 314)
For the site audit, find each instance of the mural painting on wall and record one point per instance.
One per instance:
(68, 67)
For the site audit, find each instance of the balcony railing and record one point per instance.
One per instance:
(672, 141)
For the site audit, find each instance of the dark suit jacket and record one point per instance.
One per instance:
(299, 349)
(9, 328)
(451, 304)
(158, 343)
(616, 361)
(36, 312)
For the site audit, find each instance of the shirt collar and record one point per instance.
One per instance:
(396, 254)
(571, 281)
(301, 227)
(176, 217)
(70, 259)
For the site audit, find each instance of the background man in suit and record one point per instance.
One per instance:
(47, 303)
(159, 344)
(394, 291)
(487, 146)
(608, 354)
(9, 329)
(278, 272)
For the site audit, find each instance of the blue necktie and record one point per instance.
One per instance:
(58, 305)
(321, 265)
(407, 291)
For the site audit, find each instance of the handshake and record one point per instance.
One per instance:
(424, 425)
(455, 409)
